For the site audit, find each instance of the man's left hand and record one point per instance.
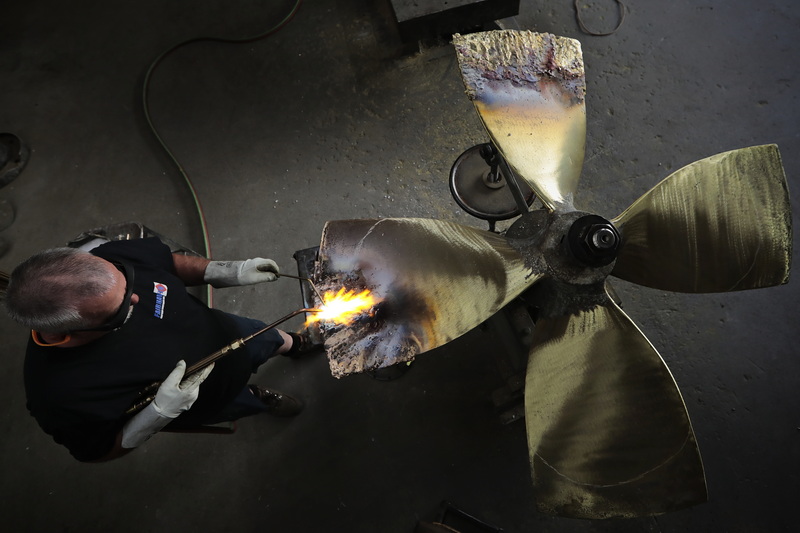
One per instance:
(235, 273)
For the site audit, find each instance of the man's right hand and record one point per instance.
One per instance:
(176, 395)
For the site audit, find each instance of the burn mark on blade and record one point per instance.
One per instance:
(387, 334)
(524, 59)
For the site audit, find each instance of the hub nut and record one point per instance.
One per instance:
(594, 240)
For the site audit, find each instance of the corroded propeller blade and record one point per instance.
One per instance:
(720, 224)
(437, 279)
(608, 432)
(528, 89)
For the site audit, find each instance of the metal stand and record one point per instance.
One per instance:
(513, 327)
(441, 18)
(305, 269)
(480, 182)
(451, 519)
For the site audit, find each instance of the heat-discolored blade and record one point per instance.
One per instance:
(608, 432)
(528, 89)
(720, 224)
(437, 280)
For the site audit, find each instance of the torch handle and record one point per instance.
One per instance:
(148, 393)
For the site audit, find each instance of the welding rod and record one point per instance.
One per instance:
(266, 268)
(149, 392)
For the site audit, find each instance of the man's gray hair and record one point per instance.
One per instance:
(45, 290)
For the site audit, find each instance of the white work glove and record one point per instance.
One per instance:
(234, 273)
(174, 396)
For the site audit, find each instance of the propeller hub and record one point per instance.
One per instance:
(546, 242)
(594, 240)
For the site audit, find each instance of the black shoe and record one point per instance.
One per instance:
(302, 344)
(278, 403)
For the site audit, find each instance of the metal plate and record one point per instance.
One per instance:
(479, 192)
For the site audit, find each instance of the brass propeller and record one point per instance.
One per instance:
(437, 280)
(608, 432)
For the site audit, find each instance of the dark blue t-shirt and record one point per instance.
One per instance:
(79, 395)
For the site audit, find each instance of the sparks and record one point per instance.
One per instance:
(343, 306)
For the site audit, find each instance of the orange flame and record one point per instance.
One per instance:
(343, 306)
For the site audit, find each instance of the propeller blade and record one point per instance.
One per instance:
(437, 280)
(528, 89)
(720, 224)
(608, 432)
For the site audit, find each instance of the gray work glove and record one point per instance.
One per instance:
(174, 396)
(235, 273)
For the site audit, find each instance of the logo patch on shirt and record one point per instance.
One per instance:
(161, 299)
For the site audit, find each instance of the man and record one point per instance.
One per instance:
(107, 323)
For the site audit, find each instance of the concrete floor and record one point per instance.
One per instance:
(326, 120)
